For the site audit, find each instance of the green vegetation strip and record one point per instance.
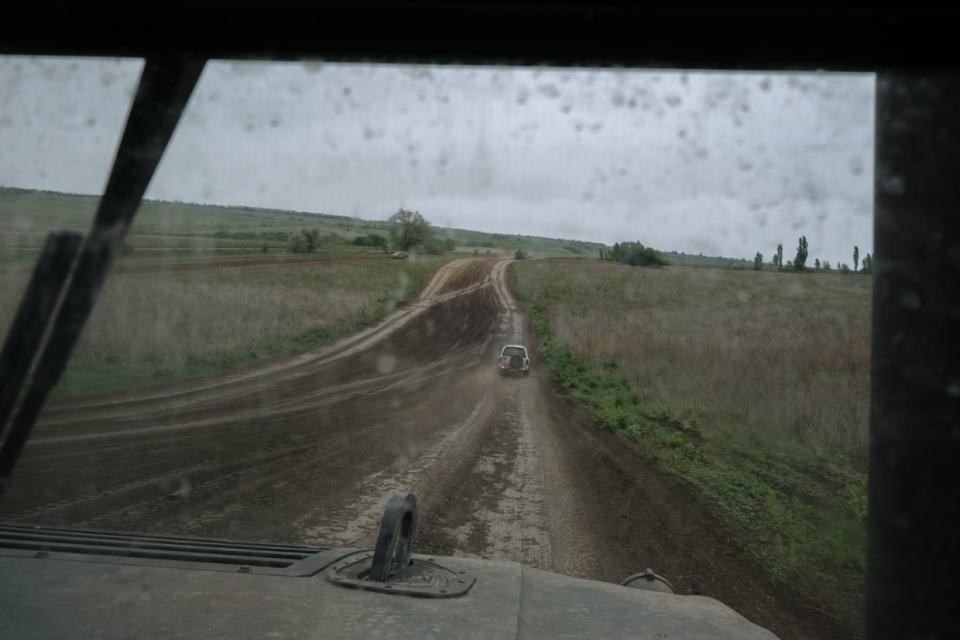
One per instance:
(800, 517)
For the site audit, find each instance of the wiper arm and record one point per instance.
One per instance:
(162, 94)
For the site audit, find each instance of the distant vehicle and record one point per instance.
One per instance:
(400, 255)
(520, 254)
(514, 357)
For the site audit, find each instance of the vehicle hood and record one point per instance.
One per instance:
(62, 595)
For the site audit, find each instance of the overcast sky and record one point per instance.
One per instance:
(718, 163)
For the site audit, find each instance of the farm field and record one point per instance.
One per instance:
(751, 386)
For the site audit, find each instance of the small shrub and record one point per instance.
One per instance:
(370, 240)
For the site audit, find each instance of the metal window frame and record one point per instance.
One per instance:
(914, 493)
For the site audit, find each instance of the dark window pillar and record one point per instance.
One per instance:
(913, 576)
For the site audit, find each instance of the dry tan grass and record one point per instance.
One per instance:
(176, 318)
(152, 328)
(777, 356)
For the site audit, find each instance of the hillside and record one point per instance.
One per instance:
(166, 229)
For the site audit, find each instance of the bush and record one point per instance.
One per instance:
(433, 247)
(297, 244)
(370, 240)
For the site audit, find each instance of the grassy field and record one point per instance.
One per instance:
(753, 386)
(176, 229)
(158, 328)
(689, 260)
(154, 328)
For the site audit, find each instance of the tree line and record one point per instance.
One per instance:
(799, 262)
(408, 231)
(633, 253)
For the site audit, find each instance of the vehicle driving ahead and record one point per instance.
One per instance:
(513, 358)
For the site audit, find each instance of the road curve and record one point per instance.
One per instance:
(307, 449)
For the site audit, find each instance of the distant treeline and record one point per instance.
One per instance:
(635, 254)
(799, 263)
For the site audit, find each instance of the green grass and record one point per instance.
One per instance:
(798, 497)
(700, 260)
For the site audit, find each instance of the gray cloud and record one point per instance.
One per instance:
(701, 162)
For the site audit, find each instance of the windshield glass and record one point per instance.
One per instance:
(304, 317)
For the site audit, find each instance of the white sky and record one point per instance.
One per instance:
(719, 163)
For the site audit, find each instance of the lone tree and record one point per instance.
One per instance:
(778, 257)
(816, 264)
(800, 262)
(311, 238)
(758, 261)
(409, 229)
(856, 257)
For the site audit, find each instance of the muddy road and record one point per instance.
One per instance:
(309, 448)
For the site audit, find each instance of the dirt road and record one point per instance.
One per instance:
(308, 449)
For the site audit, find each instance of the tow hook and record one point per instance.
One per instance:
(649, 581)
(391, 567)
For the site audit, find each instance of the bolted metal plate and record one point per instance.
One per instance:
(423, 578)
